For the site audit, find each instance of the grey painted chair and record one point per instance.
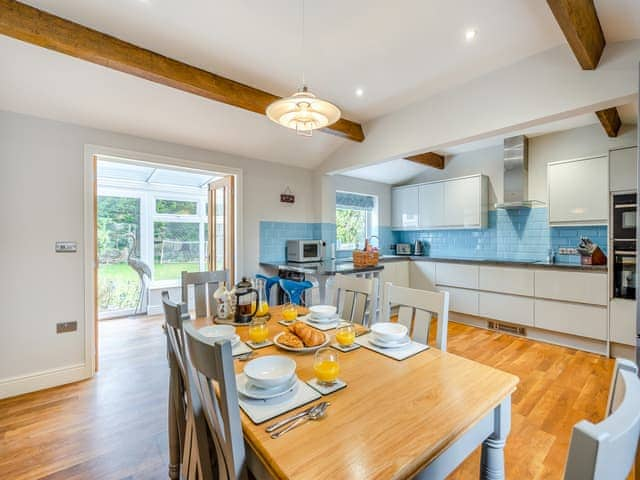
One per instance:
(415, 310)
(607, 450)
(187, 432)
(213, 363)
(355, 298)
(204, 284)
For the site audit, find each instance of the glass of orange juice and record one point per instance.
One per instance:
(258, 330)
(326, 366)
(346, 335)
(290, 312)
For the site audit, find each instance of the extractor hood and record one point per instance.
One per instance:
(516, 174)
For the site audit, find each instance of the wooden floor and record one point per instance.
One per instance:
(114, 426)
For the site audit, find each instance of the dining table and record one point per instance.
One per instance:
(415, 418)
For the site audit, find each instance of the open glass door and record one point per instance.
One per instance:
(222, 226)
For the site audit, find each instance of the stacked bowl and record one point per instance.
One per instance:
(389, 335)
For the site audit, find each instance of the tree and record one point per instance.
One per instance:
(350, 227)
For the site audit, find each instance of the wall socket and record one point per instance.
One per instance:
(66, 247)
(567, 251)
(65, 327)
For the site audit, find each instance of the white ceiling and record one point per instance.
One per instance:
(396, 54)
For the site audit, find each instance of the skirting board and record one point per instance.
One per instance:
(619, 350)
(11, 387)
(556, 338)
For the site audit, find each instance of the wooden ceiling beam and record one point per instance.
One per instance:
(43, 29)
(430, 159)
(579, 22)
(610, 121)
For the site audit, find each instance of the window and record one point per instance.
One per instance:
(356, 219)
(176, 207)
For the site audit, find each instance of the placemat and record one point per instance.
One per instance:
(322, 326)
(396, 353)
(259, 411)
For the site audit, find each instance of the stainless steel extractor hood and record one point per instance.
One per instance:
(516, 174)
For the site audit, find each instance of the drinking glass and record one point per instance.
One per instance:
(290, 312)
(346, 335)
(326, 366)
(258, 330)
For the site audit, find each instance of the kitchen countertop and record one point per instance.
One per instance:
(497, 262)
(330, 267)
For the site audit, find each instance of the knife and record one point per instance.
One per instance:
(290, 419)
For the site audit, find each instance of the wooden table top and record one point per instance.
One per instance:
(390, 421)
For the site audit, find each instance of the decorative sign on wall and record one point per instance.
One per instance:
(287, 196)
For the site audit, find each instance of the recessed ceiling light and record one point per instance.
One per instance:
(470, 34)
(359, 92)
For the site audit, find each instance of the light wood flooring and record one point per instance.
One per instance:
(114, 426)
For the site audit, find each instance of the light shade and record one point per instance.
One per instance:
(303, 112)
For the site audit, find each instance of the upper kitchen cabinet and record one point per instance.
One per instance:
(405, 207)
(579, 191)
(447, 204)
(623, 169)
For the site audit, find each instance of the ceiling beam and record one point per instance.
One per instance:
(43, 29)
(579, 22)
(429, 159)
(610, 121)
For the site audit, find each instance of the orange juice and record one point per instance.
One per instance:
(327, 370)
(290, 313)
(258, 333)
(263, 309)
(346, 337)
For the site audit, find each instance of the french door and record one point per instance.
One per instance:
(222, 226)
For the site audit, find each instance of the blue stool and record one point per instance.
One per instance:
(269, 282)
(294, 290)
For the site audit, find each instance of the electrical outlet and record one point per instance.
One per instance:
(65, 327)
(567, 251)
(66, 247)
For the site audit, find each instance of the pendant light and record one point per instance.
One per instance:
(303, 111)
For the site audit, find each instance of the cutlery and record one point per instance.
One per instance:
(283, 422)
(243, 357)
(316, 413)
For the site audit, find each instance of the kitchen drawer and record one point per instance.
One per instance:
(518, 281)
(422, 275)
(582, 320)
(582, 287)
(457, 275)
(623, 321)
(462, 301)
(508, 308)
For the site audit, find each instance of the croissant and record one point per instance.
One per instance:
(291, 340)
(309, 336)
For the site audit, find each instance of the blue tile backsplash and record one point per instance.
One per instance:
(517, 234)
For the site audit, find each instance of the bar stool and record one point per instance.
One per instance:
(269, 283)
(294, 290)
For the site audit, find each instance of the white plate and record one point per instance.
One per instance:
(249, 390)
(314, 319)
(384, 344)
(270, 371)
(303, 349)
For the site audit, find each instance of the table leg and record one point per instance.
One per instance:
(492, 460)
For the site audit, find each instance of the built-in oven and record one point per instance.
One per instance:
(624, 245)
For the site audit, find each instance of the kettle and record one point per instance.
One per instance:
(246, 300)
(418, 248)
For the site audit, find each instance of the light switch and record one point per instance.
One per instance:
(66, 247)
(65, 327)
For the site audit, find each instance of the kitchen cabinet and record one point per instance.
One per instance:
(457, 275)
(578, 191)
(572, 318)
(622, 314)
(422, 275)
(581, 287)
(623, 169)
(405, 207)
(447, 204)
(462, 301)
(396, 272)
(508, 308)
(518, 281)
(432, 204)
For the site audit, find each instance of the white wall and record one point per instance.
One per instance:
(575, 143)
(41, 190)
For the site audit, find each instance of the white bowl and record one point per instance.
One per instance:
(389, 332)
(218, 332)
(270, 371)
(323, 311)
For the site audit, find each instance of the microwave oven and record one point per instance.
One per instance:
(304, 250)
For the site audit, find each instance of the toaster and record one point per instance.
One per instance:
(403, 249)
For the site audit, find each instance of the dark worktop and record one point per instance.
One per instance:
(330, 267)
(498, 262)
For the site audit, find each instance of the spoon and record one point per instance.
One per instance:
(243, 357)
(316, 413)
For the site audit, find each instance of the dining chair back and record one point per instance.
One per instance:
(355, 298)
(204, 284)
(188, 442)
(415, 311)
(607, 449)
(213, 363)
